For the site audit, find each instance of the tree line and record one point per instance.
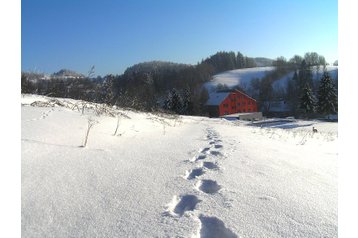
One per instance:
(305, 96)
(177, 88)
(146, 86)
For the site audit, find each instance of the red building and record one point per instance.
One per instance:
(230, 102)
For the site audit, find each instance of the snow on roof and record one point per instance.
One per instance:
(238, 91)
(216, 98)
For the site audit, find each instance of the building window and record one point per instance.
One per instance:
(233, 108)
(226, 105)
(249, 110)
(238, 104)
(249, 103)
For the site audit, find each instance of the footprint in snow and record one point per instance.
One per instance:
(183, 204)
(206, 149)
(208, 186)
(212, 227)
(216, 153)
(218, 146)
(210, 165)
(200, 157)
(195, 173)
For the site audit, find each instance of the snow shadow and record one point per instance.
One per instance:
(51, 144)
(195, 173)
(213, 142)
(212, 227)
(186, 203)
(206, 149)
(218, 146)
(283, 124)
(210, 165)
(209, 186)
(292, 126)
(200, 157)
(215, 153)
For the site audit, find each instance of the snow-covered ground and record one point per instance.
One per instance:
(166, 176)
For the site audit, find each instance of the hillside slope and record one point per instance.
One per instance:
(243, 77)
(238, 77)
(166, 176)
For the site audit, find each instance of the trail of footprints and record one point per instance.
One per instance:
(209, 226)
(43, 115)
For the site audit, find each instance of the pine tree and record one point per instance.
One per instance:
(107, 89)
(292, 95)
(304, 76)
(240, 60)
(327, 96)
(308, 101)
(187, 105)
(174, 101)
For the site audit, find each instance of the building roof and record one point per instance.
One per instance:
(279, 106)
(216, 98)
(236, 90)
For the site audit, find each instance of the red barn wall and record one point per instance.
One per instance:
(237, 102)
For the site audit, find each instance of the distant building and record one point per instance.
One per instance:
(245, 116)
(277, 108)
(229, 102)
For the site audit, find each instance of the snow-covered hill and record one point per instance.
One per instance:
(237, 77)
(281, 84)
(168, 176)
(243, 77)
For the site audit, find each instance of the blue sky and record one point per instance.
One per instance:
(115, 34)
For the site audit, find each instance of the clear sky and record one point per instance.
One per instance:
(115, 34)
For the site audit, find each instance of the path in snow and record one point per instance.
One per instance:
(186, 204)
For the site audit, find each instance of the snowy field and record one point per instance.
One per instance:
(166, 176)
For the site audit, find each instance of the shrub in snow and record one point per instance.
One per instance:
(90, 123)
